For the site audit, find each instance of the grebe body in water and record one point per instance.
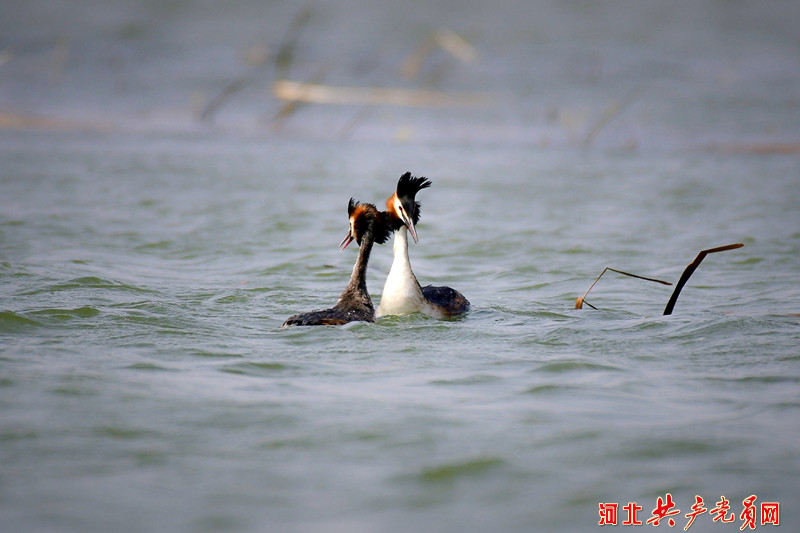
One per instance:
(367, 226)
(402, 293)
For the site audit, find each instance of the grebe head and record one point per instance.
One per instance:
(365, 219)
(402, 206)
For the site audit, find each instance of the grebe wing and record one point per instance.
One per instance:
(449, 300)
(328, 317)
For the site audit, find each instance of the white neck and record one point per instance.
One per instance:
(401, 293)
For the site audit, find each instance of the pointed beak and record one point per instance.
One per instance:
(347, 240)
(409, 224)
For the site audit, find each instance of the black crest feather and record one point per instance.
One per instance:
(407, 188)
(382, 229)
(351, 206)
(369, 219)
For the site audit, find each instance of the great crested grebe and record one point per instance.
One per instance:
(402, 293)
(367, 226)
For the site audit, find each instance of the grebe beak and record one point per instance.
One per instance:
(409, 224)
(347, 240)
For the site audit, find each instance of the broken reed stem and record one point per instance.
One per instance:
(216, 102)
(291, 104)
(611, 112)
(329, 94)
(580, 301)
(6, 55)
(59, 58)
(283, 61)
(687, 273)
(413, 63)
(769, 148)
(456, 45)
(444, 38)
(285, 55)
(347, 130)
(12, 121)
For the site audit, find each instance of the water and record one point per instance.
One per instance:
(146, 266)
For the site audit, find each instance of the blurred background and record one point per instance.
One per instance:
(712, 74)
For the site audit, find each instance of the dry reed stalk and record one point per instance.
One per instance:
(349, 127)
(775, 148)
(687, 273)
(329, 94)
(612, 111)
(582, 300)
(257, 59)
(13, 121)
(443, 38)
(6, 55)
(59, 58)
(285, 55)
(291, 104)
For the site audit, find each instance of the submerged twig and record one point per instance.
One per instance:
(690, 270)
(582, 300)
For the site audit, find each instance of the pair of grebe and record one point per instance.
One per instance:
(402, 293)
